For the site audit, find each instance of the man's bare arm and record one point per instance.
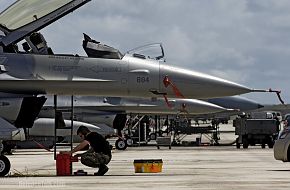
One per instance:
(77, 148)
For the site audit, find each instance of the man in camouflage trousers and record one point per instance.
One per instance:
(99, 154)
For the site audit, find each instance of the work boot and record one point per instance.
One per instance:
(102, 170)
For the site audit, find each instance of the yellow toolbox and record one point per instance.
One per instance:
(148, 166)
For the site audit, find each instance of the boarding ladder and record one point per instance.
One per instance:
(60, 124)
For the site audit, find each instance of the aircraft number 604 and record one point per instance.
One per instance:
(142, 79)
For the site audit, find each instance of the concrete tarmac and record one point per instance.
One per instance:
(208, 167)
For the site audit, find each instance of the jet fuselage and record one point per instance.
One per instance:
(130, 76)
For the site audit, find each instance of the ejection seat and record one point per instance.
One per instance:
(98, 50)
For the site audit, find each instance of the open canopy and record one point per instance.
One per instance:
(23, 12)
(27, 16)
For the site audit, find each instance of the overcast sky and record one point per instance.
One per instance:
(245, 41)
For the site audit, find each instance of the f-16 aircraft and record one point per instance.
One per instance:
(105, 71)
(134, 105)
(96, 110)
(111, 112)
(102, 114)
(99, 109)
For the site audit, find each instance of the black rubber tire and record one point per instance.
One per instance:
(129, 141)
(245, 143)
(238, 145)
(270, 144)
(120, 144)
(4, 165)
(288, 154)
(152, 136)
(263, 145)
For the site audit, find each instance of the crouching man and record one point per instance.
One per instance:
(99, 154)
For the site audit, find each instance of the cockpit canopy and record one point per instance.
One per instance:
(21, 13)
(150, 51)
(25, 17)
(95, 49)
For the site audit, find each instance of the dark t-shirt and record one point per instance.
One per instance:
(98, 143)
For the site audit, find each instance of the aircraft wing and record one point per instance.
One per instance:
(27, 16)
(60, 87)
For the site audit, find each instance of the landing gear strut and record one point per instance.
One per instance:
(1, 147)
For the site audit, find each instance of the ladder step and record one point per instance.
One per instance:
(64, 110)
(65, 128)
(63, 144)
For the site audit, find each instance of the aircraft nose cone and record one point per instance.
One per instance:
(213, 109)
(227, 88)
(194, 106)
(236, 102)
(193, 84)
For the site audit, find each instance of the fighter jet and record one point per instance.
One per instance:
(104, 72)
(96, 110)
(132, 105)
(38, 70)
(113, 111)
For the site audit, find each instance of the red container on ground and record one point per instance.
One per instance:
(63, 165)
